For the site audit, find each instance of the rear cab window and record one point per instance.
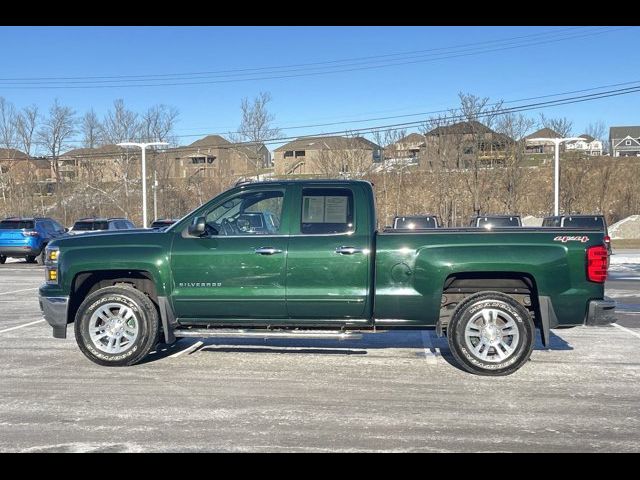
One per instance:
(327, 211)
(488, 222)
(584, 222)
(17, 225)
(89, 226)
(417, 223)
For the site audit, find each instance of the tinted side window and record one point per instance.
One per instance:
(248, 214)
(326, 211)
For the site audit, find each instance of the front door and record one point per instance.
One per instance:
(236, 270)
(329, 261)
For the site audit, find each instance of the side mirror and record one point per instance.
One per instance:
(197, 227)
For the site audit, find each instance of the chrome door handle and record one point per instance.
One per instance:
(348, 250)
(267, 250)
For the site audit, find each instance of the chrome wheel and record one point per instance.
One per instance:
(113, 328)
(492, 335)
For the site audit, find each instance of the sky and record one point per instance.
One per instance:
(356, 73)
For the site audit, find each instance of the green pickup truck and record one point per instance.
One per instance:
(322, 270)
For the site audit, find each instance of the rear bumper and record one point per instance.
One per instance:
(601, 312)
(54, 310)
(20, 251)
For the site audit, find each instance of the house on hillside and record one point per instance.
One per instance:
(329, 156)
(624, 141)
(547, 148)
(21, 168)
(589, 145)
(214, 155)
(456, 145)
(108, 163)
(408, 147)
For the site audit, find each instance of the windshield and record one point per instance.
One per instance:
(584, 222)
(415, 222)
(88, 226)
(16, 224)
(494, 222)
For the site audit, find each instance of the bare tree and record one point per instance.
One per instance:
(90, 128)
(55, 133)
(158, 123)
(598, 130)
(479, 116)
(562, 126)
(256, 125)
(120, 125)
(26, 123)
(8, 131)
(514, 128)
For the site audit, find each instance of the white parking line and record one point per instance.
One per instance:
(191, 349)
(431, 353)
(626, 330)
(18, 291)
(22, 326)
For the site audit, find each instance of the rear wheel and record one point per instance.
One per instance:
(2, 259)
(490, 333)
(117, 326)
(31, 258)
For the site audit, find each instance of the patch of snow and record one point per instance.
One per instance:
(627, 228)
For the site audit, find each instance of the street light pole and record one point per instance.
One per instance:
(556, 167)
(143, 146)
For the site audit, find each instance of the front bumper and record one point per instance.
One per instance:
(601, 312)
(54, 310)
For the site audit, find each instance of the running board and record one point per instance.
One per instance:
(257, 333)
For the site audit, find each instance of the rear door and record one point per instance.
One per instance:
(328, 268)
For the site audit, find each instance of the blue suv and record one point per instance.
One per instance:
(27, 238)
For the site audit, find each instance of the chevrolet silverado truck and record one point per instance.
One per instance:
(324, 272)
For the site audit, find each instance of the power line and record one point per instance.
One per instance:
(340, 69)
(421, 114)
(450, 118)
(539, 34)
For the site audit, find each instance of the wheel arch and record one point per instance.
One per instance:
(520, 285)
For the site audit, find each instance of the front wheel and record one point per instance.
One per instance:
(117, 326)
(31, 259)
(490, 333)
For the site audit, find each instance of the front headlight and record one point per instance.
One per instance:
(52, 255)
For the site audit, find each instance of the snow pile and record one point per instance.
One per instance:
(531, 221)
(627, 228)
(619, 259)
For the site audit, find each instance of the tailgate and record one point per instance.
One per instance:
(13, 237)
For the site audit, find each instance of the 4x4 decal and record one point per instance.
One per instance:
(565, 239)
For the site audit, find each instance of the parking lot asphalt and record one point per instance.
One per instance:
(398, 391)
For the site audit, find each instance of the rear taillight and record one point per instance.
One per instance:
(32, 233)
(597, 259)
(607, 239)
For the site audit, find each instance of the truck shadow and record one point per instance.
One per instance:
(424, 343)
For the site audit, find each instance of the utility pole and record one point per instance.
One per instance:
(143, 146)
(556, 167)
(155, 195)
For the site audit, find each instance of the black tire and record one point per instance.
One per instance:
(31, 258)
(145, 315)
(505, 307)
(2, 259)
